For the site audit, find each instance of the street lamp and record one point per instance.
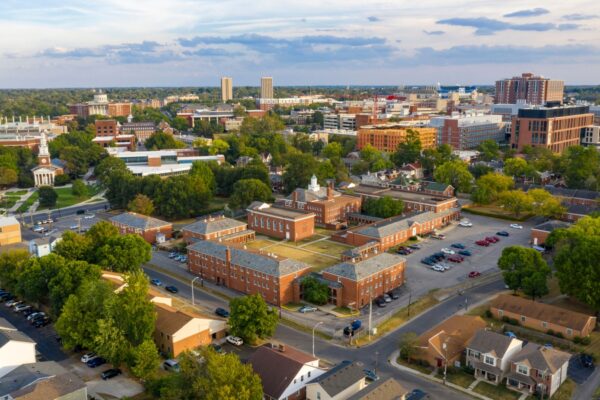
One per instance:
(192, 284)
(313, 335)
(445, 347)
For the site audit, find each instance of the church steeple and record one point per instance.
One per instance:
(43, 154)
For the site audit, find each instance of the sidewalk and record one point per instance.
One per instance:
(23, 198)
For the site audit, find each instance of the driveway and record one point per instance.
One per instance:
(577, 372)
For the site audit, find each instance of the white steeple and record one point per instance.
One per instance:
(43, 146)
(314, 184)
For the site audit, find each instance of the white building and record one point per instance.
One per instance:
(340, 121)
(46, 171)
(590, 136)
(41, 247)
(16, 348)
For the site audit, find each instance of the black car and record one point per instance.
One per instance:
(393, 295)
(217, 348)
(586, 360)
(427, 261)
(380, 301)
(38, 323)
(171, 289)
(417, 394)
(7, 297)
(37, 318)
(80, 212)
(96, 362)
(110, 373)
(502, 233)
(403, 252)
(30, 311)
(221, 312)
(415, 246)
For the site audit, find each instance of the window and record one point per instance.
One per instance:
(318, 395)
(301, 378)
(544, 324)
(569, 331)
(309, 374)
(500, 313)
(522, 369)
(522, 318)
(489, 360)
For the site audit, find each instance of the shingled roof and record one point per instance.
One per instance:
(541, 357)
(340, 377)
(364, 268)
(138, 221)
(211, 225)
(490, 342)
(393, 225)
(389, 389)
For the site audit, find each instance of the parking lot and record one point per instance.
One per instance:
(577, 371)
(76, 223)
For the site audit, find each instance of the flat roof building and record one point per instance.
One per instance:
(387, 137)
(530, 88)
(280, 222)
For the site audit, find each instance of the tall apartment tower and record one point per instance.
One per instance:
(226, 89)
(530, 88)
(266, 87)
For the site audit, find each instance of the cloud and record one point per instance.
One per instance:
(433, 33)
(488, 26)
(580, 17)
(372, 18)
(534, 12)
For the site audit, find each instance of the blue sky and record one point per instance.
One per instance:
(83, 43)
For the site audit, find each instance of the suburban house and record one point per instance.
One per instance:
(540, 233)
(412, 170)
(413, 200)
(246, 271)
(282, 223)
(448, 340)
(10, 231)
(152, 230)
(356, 283)
(338, 383)
(331, 208)
(388, 389)
(538, 369)
(43, 246)
(219, 228)
(16, 348)
(490, 354)
(543, 317)
(284, 371)
(177, 330)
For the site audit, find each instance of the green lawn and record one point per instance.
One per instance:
(457, 376)
(414, 365)
(346, 311)
(67, 199)
(28, 203)
(499, 392)
(495, 211)
(565, 391)
(16, 193)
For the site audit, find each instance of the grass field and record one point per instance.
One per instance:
(494, 211)
(67, 199)
(16, 193)
(499, 392)
(28, 203)
(565, 391)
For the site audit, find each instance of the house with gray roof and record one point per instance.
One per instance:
(219, 228)
(389, 389)
(16, 348)
(338, 383)
(152, 230)
(490, 354)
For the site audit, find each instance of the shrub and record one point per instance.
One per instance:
(559, 335)
(488, 314)
(550, 332)
(505, 319)
(586, 341)
(413, 238)
(468, 369)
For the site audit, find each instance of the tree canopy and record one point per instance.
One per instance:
(246, 191)
(383, 207)
(251, 318)
(455, 173)
(524, 269)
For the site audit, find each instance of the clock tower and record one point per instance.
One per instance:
(43, 154)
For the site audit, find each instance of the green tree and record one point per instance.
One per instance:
(524, 269)
(489, 149)
(182, 196)
(409, 345)
(546, 205)
(67, 279)
(79, 188)
(489, 187)
(141, 204)
(77, 160)
(332, 150)
(300, 168)
(455, 173)
(582, 167)
(383, 207)
(246, 191)
(369, 153)
(8, 177)
(315, 291)
(108, 167)
(432, 158)
(218, 146)
(161, 140)
(251, 318)
(516, 201)
(518, 167)
(409, 150)
(124, 253)
(145, 359)
(203, 170)
(47, 196)
(180, 123)
(12, 263)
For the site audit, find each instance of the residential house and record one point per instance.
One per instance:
(282, 223)
(490, 353)
(388, 389)
(543, 317)
(218, 228)
(43, 246)
(338, 383)
(152, 230)
(538, 369)
(540, 233)
(412, 170)
(448, 340)
(16, 348)
(10, 231)
(284, 371)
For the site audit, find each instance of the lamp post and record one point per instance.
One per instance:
(313, 336)
(192, 284)
(445, 347)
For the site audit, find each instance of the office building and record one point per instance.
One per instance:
(226, 89)
(108, 134)
(101, 106)
(530, 88)
(387, 137)
(590, 136)
(266, 87)
(466, 132)
(281, 223)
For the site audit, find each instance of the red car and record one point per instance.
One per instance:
(482, 243)
(474, 274)
(492, 239)
(455, 258)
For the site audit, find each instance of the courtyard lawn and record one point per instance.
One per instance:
(318, 261)
(499, 392)
(67, 199)
(16, 193)
(28, 203)
(346, 311)
(328, 247)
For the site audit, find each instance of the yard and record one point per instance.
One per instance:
(456, 376)
(28, 203)
(499, 392)
(67, 199)
(565, 391)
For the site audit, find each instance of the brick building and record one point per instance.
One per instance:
(465, 132)
(218, 228)
(280, 222)
(540, 233)
(356, 284)
(529, 88)
(108, 134)
(554, 128)
(413, 200)
(331, 208)
(246, 271)
(10, 231)
(152, 230)
(141, 130)
(387, 137)
(100, 106)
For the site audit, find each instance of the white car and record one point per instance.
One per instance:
(234, 340)
(438, 268)
(21, 307)
(88, 356)
(90, 216)
(516, 226)
(446, 250)
(465, 224)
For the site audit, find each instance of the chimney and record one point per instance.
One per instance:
(227, 256)
(294, 198)
(330, 190)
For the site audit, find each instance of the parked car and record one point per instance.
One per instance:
(456, 258)
(89, 216)
(417, 394)
(40, 322)
(171, 365)
(110, 373)
(503, 233)
(217, 348)
(6, 296)
(171, 289)
(386, 298)
(183, 259)
(96, 362)
(234, 340)
(438, 268)
(370, 375)
(393, 295)
(356, 324)
(446, 250)
(12, 302)
(493, 239)
(465, 253)
(80, 212)
(156, 282)
(484, 243)
(305, 309)
(380, 302)
(474, 274)
(88, 356)
(415, 246)
(427, 261)
(458, 245)
(37, 318)
(403, 252)
(465, 224)
(172, 254)
(586, 360)
(516, 226)
(438, 236)
(221, 312)
(34, 315)
(29, 311)
(21, 307)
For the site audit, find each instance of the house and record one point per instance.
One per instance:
(490, 353)
(439, 189)
(177, 331)
(284, 371)
(338, 383)
(43, 246)
(10, 231)
(540, 232)
(218, 228)
(448, 340)
(16, 348)
(543, 317)
(576, 211)
(46, 380)
(412, 170)
(243, 161)
(388, 389)
(282, 223)
(538, 369)
(152, 230)
(117, 280)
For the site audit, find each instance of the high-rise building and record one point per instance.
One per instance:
(464, 132)
(226, 89)
(266, 87)
(530, 88)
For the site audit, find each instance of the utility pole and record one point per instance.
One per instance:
(445, 347)
(409, 300)
(376, 360)
(313, 336)
(370, 310)
(192, 284)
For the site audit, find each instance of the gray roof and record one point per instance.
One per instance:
(549, 226)
(208, 225)
(54, 381)
(340, 377)
(259, 206)
(581, 209)
(138, 221)
(396, 224)
(306, 196)
(7, 221)
(7, 335)
(243, 258)
(388, 389)
(490, 342)
(362, 269)
(4, 324)
(541, 357)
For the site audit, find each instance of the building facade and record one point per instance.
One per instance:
(387, 137)
(590, 136)
(280, 222)
(47, 169)
(490, 353)
(152, 230)
(10, 231)
(266, 87)
(141, 130)
(108, 134)
(413, 200)
(101, 106)
(226, 89)
(530, 88)
(219, 228)
(465, 132)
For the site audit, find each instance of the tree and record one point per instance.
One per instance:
(124, 253)
(246, 191)
(204, 172)
(251, 318)
(79, 188)
(369, 153)
(141, 204)
(524, 269)
(409, 150)
(455, 173)
(408, 345)
(518, 167)
(107, 167)
(145, 359)
(76, 160)
(383, 207)
(8, 177)
(12, 263)
(516, 201)
(489, 150)
(315, 291)
(180, 123)
(478, 170)
(100, 234)
(489, 187)
(218, 146)
(582, 167)
(161, 140)
(47, 196)
(546, 205)
(300, 168)
(432, 158)
(332, 150)
(182, 196)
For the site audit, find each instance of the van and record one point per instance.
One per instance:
(171, 365)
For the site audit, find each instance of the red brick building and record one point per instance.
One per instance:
(413, 200)
(540, 232)
(530, 88)
(147, 227)
(331, 208)
(280, 222)
(218, 228)
(246, 271)
(387, 137)
(108, 134)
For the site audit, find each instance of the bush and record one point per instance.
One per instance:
(586, 341)
(468, 369)
(62, 180)
(550, 332)
(413, 238)
(511, 321)
(488, 314)
(559, 335)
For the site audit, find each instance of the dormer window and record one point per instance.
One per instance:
(522, 369)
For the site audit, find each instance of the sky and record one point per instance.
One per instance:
(102, 43)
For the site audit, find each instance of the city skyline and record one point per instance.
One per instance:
(193, 43)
